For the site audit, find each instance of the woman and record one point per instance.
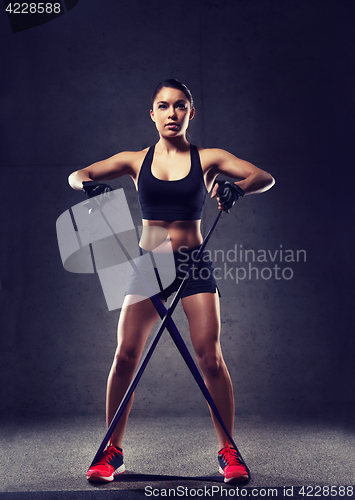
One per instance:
(172, 179)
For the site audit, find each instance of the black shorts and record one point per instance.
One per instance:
(201, 280)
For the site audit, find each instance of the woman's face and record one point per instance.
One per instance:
(171, 112)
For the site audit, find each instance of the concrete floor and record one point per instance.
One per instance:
(49, 459)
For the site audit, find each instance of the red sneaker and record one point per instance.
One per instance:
(231, 466)
(111, 460)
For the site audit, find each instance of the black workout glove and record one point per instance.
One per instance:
(98, 190)
(228, 193)
(93, 188)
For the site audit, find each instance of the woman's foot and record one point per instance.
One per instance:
(231, 466)
(103, 470)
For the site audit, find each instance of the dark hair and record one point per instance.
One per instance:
(173, 84)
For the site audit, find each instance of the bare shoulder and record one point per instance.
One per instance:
(212, 157)
(124, 163)
(216, 161)
(130, 159)
(135, 158)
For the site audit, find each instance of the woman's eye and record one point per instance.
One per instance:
(161, 106)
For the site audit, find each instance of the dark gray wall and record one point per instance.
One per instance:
(273, 83)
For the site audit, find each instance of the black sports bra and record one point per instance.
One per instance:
(182, 199)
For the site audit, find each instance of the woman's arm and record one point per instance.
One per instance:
(116, 166)
(253, 179)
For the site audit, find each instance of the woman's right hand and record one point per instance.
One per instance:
(102, 193)
(93, 188)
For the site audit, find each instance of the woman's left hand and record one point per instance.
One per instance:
(227, 194)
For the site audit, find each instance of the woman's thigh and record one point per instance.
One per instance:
(134, 325)
(203, 314)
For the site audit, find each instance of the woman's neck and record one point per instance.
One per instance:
(172, 144)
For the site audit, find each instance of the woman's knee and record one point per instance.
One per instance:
(210, 362)
(125, 362)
